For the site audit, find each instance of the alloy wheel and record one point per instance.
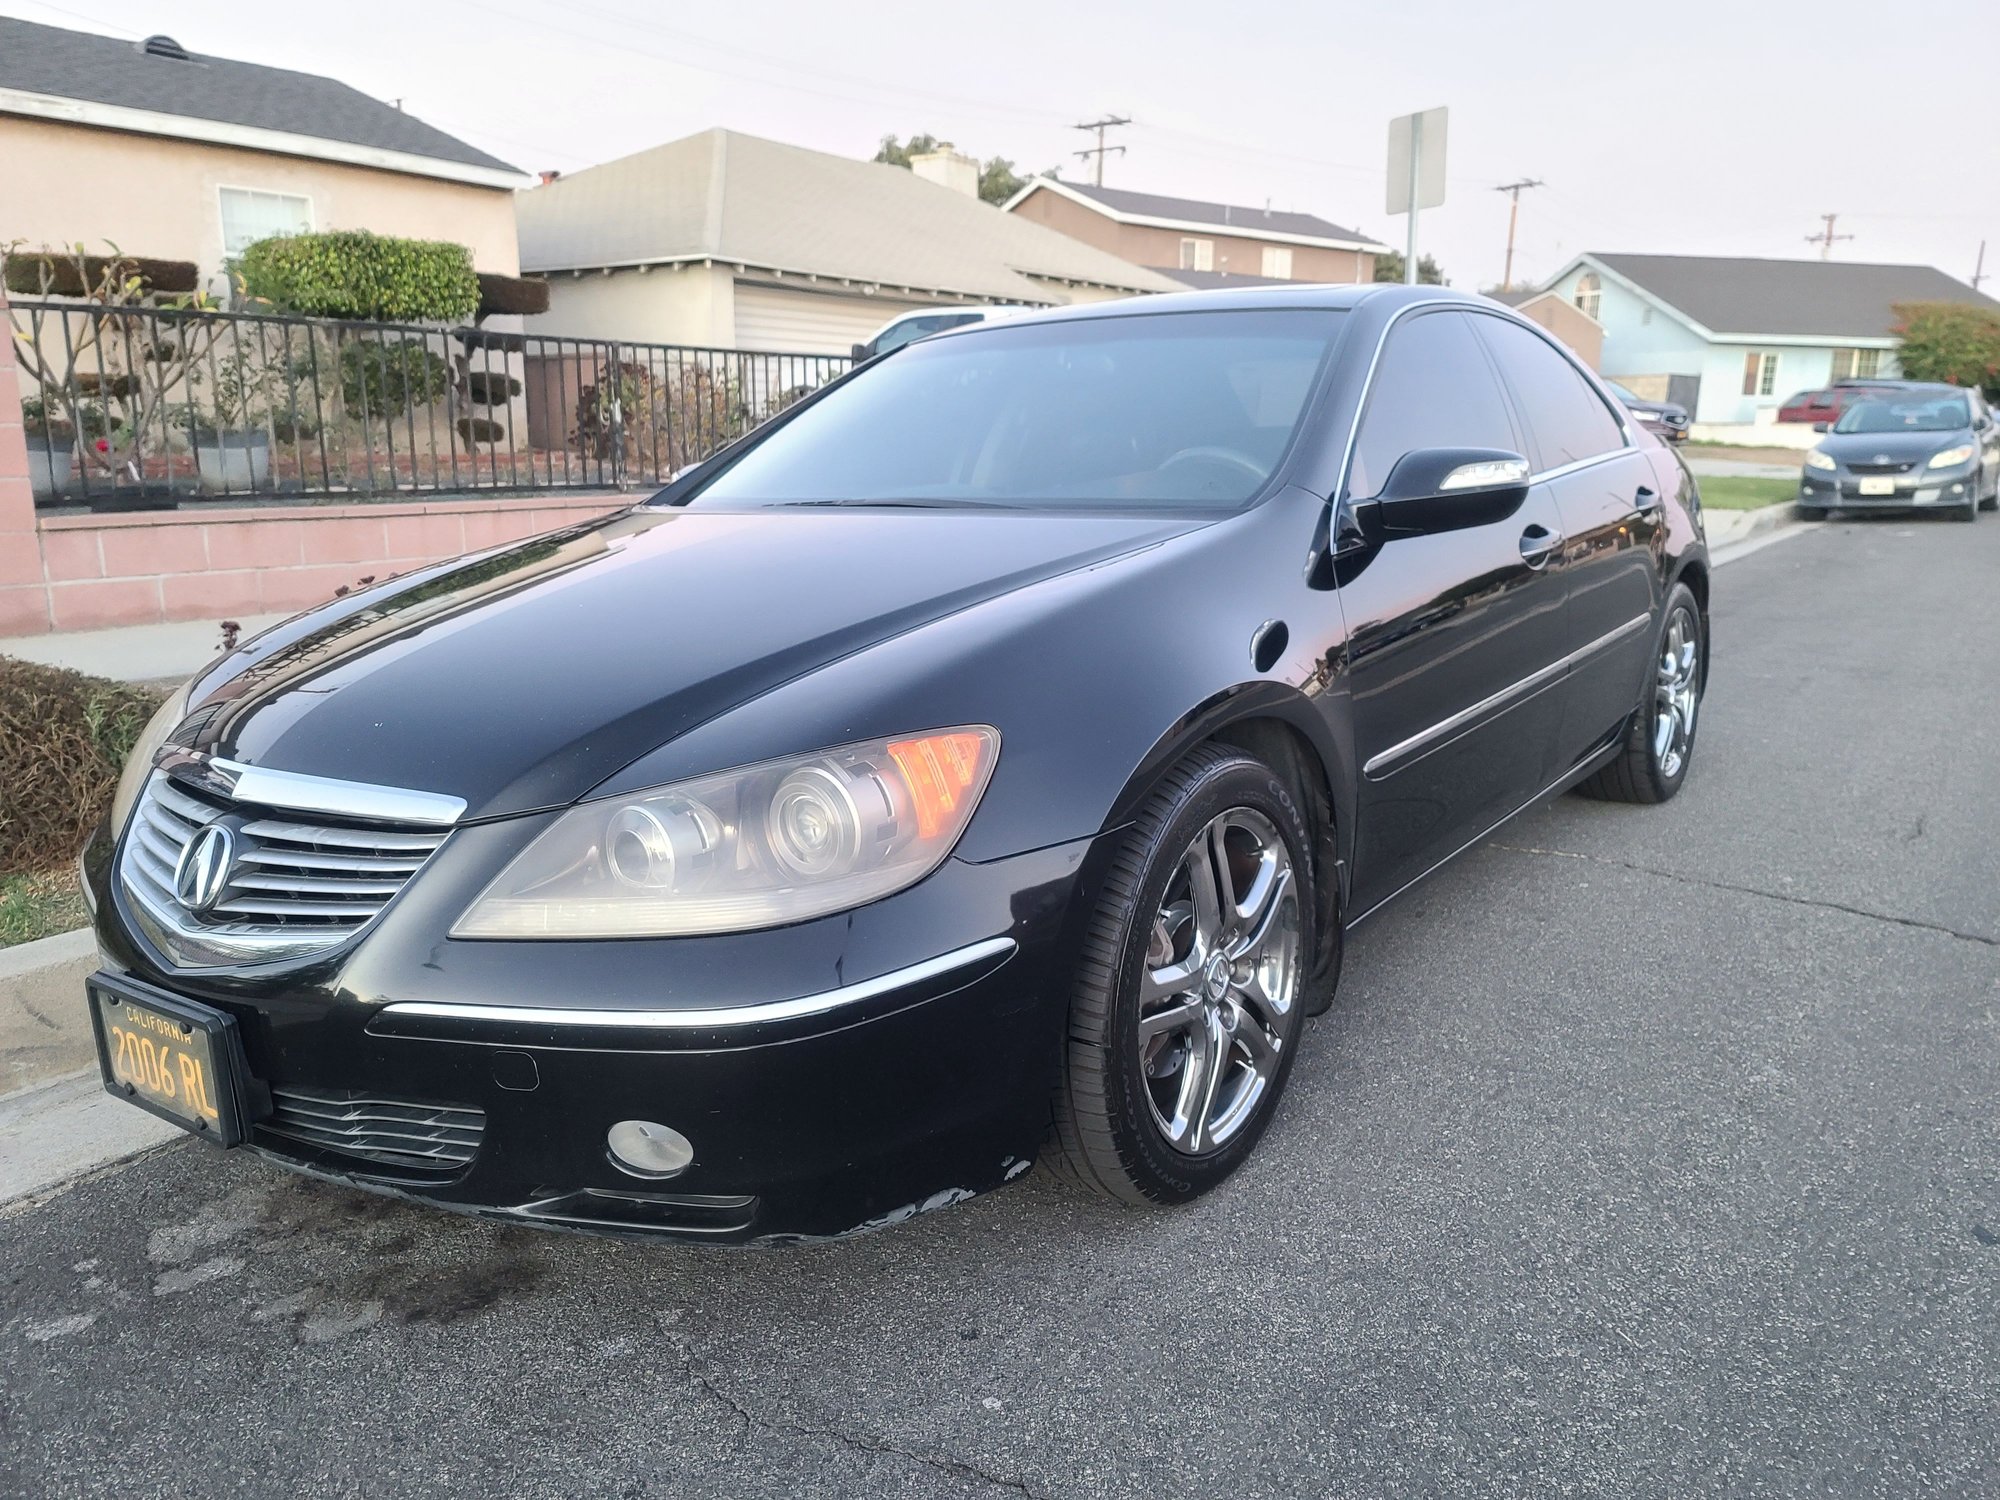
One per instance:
(1678, 693)
(1222, 972)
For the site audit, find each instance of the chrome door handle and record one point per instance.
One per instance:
(1645, 500)
(1538, 545)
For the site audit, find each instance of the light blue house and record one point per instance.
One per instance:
(1737, 338)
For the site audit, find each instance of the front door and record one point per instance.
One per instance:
(1455, 640)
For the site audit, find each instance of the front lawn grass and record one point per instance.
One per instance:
(1745, 492)
(39, 904)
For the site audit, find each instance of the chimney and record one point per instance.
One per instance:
(948, 167)
(549, 177)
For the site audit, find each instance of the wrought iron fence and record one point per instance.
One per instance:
(141, 406)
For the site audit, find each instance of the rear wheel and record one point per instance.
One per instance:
(1189, 998)
(1653, 762)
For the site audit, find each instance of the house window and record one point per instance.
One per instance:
(1760, 373)
(249, 215)
(1197, 255)
(1589, 294)
(1856, 364)
(1278, 262)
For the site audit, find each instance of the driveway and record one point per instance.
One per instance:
(1646, 1152)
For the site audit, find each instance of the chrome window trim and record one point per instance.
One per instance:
(294, 791)
(736, 1015)
(1385, 760)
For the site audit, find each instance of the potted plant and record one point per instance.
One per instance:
(232, 443)
(51, 450)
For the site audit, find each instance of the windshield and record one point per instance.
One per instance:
(1621, 393)
(1156, 410)
(1932, 414)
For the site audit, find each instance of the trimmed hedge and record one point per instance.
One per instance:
(491, 389)
(362, 277)
(522, 296)
(45, 273)
(63, 740)
(478, 430)
(392, 375)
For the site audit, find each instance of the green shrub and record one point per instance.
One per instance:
(1954, 342)
(491, 387)
(523, 296)
(63, 740)
(478, 430)
(390, 376)
(350, 273)
(47, 273)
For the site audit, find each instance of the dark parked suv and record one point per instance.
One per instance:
(984, 759)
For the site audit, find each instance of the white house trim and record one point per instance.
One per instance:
(250, 138)
(704, 258)
(1197, 227)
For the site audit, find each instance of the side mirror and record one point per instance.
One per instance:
(858, 353)
(1819, 427)
(1446, 489)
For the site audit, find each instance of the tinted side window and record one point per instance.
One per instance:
(1434, 388)
(1567, 420)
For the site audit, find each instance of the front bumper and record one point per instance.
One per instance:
(1919, 489)
(924, 1079)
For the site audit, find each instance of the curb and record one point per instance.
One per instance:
(1726, 528)
(44, 1027)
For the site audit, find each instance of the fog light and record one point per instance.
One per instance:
(648, 1150)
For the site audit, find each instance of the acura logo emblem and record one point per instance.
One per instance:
(204, 868)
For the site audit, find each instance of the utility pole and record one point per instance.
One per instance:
(1100, 150)
(1979, 267)
(1825, 238)
(1513, 190)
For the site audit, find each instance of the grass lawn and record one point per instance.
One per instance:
(1740, 492)
(39, 905)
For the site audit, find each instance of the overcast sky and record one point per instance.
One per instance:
(1684, 125)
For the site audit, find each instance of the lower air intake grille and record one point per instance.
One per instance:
(393, 1132)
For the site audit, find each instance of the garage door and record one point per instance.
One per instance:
(808, 322)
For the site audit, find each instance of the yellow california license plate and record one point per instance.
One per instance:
(168, 1055)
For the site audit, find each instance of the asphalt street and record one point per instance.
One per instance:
(1647, 1151)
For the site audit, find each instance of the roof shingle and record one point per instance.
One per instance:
(1246, 221)
(1789, 298)
(38, 59)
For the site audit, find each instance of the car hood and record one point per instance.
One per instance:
(522, 678)
(1888, 447)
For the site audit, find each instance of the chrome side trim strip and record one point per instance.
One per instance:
(1580, 465)
(1386, 759)
(735, 1015)
(296, 792)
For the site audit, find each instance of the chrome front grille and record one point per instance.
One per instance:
(292, 888)
(391, 1132)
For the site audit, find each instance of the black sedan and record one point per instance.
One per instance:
(984, 759)
(1667, 419)
(1920, 448)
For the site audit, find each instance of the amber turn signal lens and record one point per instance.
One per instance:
(939, 769)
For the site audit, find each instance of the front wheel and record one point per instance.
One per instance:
(1189, 998)
(1653, 762)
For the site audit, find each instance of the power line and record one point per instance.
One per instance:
(1514, 190)
(1097, 153)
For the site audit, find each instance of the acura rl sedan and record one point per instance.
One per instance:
(1919, 448)
(982, 761)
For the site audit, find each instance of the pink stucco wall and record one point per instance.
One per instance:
(91, 572)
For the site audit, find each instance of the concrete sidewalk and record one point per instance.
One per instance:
(133, 653)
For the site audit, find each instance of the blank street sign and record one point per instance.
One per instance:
(1427, 127)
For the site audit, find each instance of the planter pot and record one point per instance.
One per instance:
(49, 469)
(129, 497)
(232, 462)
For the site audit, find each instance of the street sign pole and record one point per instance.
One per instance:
(1416, 161)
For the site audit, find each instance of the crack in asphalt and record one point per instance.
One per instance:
(1818, 903)
(957, 1468)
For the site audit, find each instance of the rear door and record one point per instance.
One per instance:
(1455, 640)
(1613, 522)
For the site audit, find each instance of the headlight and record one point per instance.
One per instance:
(1950, 456)
(756, 847)
(140, 765)
(1818, 460)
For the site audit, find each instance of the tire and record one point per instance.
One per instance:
(1646, 770)
(1137, 1117)
(1968, 512)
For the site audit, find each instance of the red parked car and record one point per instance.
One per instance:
(1826, 405)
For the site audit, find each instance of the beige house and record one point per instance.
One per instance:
(729, 241)
(180, 156)
(1200, 244)
(1564, 319)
